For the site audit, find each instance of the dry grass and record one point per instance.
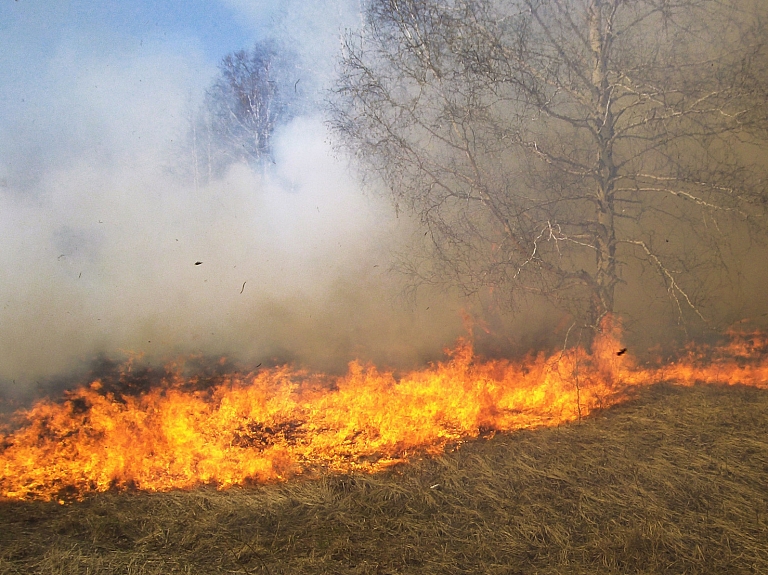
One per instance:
(674, 482)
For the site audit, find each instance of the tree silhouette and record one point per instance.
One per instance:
(254, 91)
(563, 148)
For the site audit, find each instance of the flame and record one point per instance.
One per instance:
(277, 423)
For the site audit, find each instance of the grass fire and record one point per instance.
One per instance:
(277, 423)
(570, 462)
(238, 239)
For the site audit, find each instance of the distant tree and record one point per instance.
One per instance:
(563, 147)
(254, 91)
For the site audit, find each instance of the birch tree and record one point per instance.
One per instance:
(254, 92)
(563, 148)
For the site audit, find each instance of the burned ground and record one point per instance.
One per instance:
(675, 481)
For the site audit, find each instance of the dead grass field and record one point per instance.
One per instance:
(675, 481)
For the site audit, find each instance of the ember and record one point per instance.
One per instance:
(273, 424)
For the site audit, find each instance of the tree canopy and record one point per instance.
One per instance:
(565, 148)
(254, 92)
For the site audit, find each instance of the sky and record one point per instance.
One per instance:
(99, 235)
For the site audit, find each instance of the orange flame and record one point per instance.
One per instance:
(281, 422)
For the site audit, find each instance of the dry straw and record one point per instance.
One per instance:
(673, 482)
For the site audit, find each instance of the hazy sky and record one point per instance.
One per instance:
(98, 236)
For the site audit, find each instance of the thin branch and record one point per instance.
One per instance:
(673, 287)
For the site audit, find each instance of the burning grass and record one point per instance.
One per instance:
(184, 431)
(674, 481)
(273, 424)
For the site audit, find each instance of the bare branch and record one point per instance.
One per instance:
(673, 287)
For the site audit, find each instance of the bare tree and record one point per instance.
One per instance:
(564, 147)
(255, 91)
(245, 102)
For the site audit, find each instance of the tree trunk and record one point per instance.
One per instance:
(603, 120)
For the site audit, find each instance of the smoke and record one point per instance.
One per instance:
(101, 239)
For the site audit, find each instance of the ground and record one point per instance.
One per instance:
(674, 481)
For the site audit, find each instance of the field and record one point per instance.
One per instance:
(674, 481)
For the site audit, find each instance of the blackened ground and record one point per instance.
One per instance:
(674, 482)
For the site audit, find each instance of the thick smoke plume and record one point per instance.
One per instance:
(101, 237)
(101, 231)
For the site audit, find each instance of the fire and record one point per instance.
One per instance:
(277, 423)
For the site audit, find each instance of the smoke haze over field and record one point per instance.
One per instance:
(100, 228)
(100, 236)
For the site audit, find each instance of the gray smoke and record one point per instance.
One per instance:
(100, 236)
(100, 232)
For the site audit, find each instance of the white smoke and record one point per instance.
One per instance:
(100, 237)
